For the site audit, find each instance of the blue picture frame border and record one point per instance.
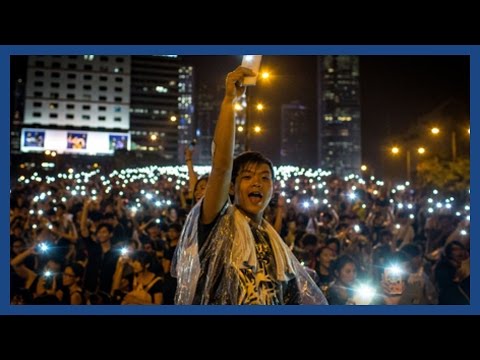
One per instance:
(6, 51)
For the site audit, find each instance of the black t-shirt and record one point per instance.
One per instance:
(100, 267)
(451, 292)
(257, 286)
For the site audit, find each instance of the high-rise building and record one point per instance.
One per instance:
(161, 105)
(98, 104)
(76, 104)
(294, 131)
(207, 108)
(186, 109)
(208, 104)
(17, 101)
(339, 132)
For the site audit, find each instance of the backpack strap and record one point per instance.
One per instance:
(464, 294)
(151, 283)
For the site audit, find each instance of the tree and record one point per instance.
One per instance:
(448, 176)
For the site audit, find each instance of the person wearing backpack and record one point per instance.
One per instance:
(145, 288)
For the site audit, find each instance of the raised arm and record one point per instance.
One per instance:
(84, 218)
(192, 176)
(21, 269)
(279, 214)
(216, 193)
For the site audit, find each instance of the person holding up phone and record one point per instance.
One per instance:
(394, 279)
(196, 186)
(41, 286)
(228, 254)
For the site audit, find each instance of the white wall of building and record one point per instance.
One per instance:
(78, 91)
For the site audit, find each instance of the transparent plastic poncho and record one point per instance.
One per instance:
(229, 246)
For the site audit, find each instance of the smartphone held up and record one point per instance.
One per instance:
(393, 277)
(253, 63)
(192, 144)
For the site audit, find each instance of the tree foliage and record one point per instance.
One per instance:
(445, 175)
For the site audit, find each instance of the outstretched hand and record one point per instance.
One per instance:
(188, 153)
(234, 83)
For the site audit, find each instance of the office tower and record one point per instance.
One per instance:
(161, 106)
(17, 100)
(294, 133)
(338, 101)
(76, 104)
(186, 109)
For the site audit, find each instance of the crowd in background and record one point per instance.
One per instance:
(109, 238)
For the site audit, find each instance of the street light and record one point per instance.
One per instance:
(453, 141)
(248, 114)
(420, 150)
(264, 75)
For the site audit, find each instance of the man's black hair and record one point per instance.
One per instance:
(104, 225)
(249, 157)
(143, 257)
(61, 206)
(176, 227)
(309, 239)
(108, 216)
(412, 250)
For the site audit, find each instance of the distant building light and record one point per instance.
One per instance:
(161, 89)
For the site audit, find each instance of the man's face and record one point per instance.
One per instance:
(103, 235)
(253, 189)
(173, 234)
(153, 231)
(458, 254)
(326, 257)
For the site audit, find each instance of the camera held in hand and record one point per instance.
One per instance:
(48, 276)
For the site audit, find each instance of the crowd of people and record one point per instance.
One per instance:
(244, 233)
(101, 236)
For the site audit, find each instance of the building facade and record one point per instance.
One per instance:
(76, 104)
(154, 105)
(294, 131)
(339, 120)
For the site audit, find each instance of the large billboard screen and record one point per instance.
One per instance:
(73, 141)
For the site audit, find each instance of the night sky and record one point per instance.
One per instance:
(395, 91)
